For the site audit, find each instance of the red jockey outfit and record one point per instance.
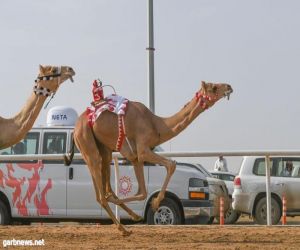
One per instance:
(98, 94)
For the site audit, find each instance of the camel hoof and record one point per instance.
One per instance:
(123, 230)
(113, 200)
(155, 204)
(137, 218)
(126, 233)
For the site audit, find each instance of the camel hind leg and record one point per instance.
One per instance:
(87, 145)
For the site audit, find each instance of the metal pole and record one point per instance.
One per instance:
(116, 163)
(268, 190)
(151, 90)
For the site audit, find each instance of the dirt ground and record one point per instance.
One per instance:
(155, 237)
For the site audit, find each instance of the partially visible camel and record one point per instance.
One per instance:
(144, 131)
(48, 81)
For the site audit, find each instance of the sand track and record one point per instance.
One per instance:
(156, 237)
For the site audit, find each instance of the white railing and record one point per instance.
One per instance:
(166, 154)
(266, 154)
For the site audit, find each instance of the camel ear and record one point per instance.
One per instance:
(42, 69)
(203, 85)
(53, 70)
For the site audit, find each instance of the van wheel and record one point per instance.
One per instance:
(168, 213)
(260, 215)
(4, 214)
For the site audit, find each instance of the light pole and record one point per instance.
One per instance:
(151, 89)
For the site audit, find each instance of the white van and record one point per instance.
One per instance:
(47, 190)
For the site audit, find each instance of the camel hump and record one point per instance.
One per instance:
(112, 103)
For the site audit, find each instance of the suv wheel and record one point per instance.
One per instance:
(4, 214)
(210, 220)
(167, 214)
(260, 215)
(230, 217)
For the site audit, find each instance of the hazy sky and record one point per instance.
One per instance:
(253, 44)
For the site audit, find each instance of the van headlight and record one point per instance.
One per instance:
(198, 189)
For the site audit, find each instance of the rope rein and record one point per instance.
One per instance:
(39, 90)
(107, 85)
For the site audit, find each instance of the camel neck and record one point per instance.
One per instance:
(28, 114)
(175, 124)
(17, 126)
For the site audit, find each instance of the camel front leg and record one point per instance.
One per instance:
(147, 155)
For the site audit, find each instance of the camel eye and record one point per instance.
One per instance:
(54, 70)
(215, 88)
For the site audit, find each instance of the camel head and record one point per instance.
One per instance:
(212, 92)
(50, 77)
(215, 91)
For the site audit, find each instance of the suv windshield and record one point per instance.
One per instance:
(204, 171)
(224, 177)
(280, 167)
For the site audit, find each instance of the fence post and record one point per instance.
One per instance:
(283, 209)
(268, 189)
(221, 210)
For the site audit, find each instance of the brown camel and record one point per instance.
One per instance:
(144, 131)
(46, 84)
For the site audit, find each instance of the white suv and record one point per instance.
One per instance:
(249, 194)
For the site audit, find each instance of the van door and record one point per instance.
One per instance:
(53, 174)
(21, 181)
(81, 198)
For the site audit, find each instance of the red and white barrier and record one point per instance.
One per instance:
(221, 210)
(283, 210)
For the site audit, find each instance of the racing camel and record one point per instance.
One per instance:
(48, 81)
(143, 131)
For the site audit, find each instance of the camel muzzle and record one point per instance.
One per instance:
(70, 73)
(71, 77)
(228, 92)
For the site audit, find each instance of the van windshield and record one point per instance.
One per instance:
(29, 145)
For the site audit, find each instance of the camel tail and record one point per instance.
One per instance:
(68, 157)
